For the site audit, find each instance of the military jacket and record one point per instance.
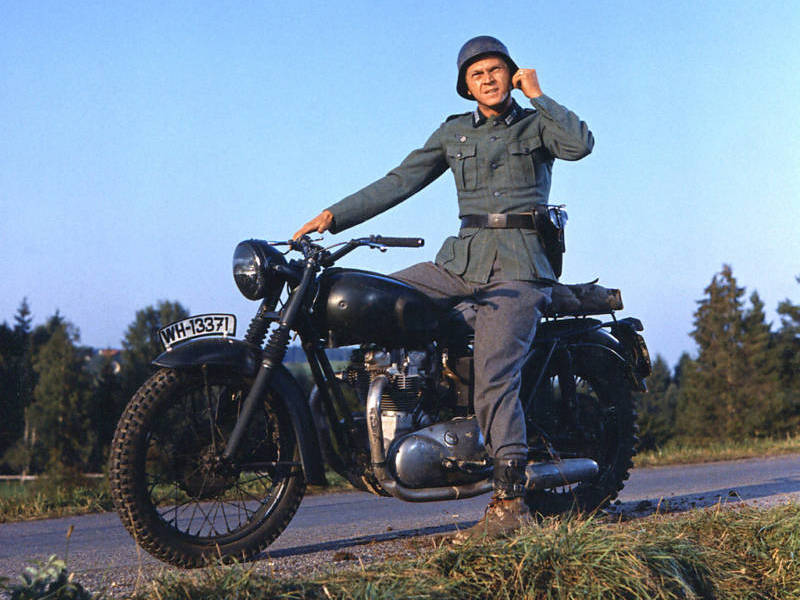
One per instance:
(501, 164)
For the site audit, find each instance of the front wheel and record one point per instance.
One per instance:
(175, 495)
(600, 424)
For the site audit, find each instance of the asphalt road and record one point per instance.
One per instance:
(353, 524)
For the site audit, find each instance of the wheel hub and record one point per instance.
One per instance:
(209, 476)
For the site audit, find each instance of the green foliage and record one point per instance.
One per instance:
(61, 398)
(52, 498)
(16, 378)
(732, 389)
(47, 580)
(656, 408)
(680, 450)
(787, 344)
(141, 344)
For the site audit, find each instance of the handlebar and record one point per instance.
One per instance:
(326, 259)
(397, 242)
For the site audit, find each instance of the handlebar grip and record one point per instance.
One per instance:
(399, 242)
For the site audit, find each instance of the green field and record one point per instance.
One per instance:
(12, 489)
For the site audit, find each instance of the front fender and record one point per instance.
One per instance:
(245, 359)
(237, 355)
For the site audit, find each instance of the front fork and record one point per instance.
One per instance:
(274, 353)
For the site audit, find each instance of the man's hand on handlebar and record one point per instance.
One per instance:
(321, 223)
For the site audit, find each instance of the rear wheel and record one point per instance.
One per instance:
(172, 491)
(599, 424)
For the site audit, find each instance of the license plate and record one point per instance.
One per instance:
(197, 326)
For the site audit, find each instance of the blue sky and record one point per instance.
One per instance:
(139, 142)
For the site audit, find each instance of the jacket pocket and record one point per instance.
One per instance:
(537, 256)
(464, 163)
(523, 156)
(454, 253)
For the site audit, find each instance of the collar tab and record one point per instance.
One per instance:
(511, 115)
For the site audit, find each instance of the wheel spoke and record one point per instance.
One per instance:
(202, 503)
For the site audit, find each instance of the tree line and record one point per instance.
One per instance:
(60, 401)
(744, 381)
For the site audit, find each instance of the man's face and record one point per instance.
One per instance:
(489, 81)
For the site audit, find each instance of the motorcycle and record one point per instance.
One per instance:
(213, 453)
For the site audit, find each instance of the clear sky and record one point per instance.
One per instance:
(140, 141)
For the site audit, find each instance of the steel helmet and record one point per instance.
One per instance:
(479, 47)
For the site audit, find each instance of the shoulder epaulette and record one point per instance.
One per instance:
(451, 117)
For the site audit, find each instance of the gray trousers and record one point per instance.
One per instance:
(504, 315)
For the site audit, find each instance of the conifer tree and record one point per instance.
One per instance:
(787, 351)
(16, 378)
(61, 397)
(730, 390)
(711, 401)
(8, 399)
(761, 366)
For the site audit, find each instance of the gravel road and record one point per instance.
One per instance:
(352, 527)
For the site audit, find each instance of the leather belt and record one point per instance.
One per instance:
(499, 221)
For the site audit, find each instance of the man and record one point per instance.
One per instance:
(501, 156)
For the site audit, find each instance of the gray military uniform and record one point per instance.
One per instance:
(501, 165)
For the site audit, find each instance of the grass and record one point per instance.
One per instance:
(28, 501)
(677, 452)
(718, 553)
(22, 502)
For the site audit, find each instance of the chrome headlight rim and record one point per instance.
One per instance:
(252, 268)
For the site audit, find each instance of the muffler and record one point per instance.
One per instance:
(557, 473)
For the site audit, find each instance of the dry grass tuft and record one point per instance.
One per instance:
(734, 553)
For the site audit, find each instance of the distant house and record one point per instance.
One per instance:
(96, 359)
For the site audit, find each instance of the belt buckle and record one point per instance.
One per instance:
(497, 220)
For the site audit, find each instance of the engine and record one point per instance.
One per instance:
(422, 446)
(411, 375)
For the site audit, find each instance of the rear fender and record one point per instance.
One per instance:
(245, 359)
(589, 335)
(603, 341)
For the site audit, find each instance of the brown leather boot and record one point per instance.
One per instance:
(502, 518)
(507, 510)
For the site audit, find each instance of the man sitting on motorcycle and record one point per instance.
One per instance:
(502, 157)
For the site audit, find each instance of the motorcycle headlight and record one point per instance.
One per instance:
(252, 268)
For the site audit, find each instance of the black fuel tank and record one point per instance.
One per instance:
(357, 307)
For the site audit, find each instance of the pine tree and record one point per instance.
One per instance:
(761, 366)
(711, 400)
(61, 397)
(8, 399)
(16, 379)
(731, 390)
(787, 351)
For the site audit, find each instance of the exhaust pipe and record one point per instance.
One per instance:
(550, 474)
(540, 476)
